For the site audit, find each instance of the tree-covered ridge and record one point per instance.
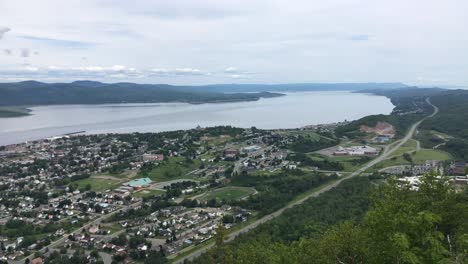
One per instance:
(410, 107)
(453, 116)
(402, 226)
(275, 191)
(307, 220)
(37, 93)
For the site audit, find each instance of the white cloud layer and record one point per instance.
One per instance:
(3, 30)
(212, 41)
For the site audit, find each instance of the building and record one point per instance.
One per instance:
(459, 168)
(231, 152)
(153, 157)
(252, 148)
(356, 151)
(382, 139)
(139, 183)
(461, 180)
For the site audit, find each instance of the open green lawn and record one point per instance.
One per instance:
(418, 157)
(13, 111)
(440, 134)
(305, 133)
(407, 147)
(350, 163)
(228, 193)
(99, 185)
(430, 154)
(112, 227)
(174, 168)
(147, 192)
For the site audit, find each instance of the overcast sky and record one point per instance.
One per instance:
(420, 42)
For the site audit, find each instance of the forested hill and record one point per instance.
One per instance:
(296, 87)
(410, 106)
(453, 107)
(360, 221)
(87, 92)
(91, 92)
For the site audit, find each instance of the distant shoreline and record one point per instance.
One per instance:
(14, 111)
(294, 110)
(21, 111)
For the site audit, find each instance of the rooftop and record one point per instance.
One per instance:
(139, 182)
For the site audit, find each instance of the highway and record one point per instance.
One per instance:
(385, 154)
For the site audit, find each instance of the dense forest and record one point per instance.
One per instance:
(401, 226)
(87, 92)
(452, 119)
(410, 106)
(275, 191)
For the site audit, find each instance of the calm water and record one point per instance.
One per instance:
(290, 111)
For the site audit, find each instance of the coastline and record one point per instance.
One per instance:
(14, 111)
(291, 111)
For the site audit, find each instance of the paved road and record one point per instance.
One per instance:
(387, 152)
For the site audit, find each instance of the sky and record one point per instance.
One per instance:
(417, 42)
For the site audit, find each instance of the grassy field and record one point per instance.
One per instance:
(350, 163)
(174, 168)
(305, 133)
(227, 193)
(13, 111)
(440, 134)
(418, 157)
(430, 154)
(99, 185)
(146, 193)
(407, 147)
(113, 227)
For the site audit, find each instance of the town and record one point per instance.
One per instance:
(124, 197)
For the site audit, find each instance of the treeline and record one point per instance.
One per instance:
(349, 200)
(275, 191)
(401, 123)
(306, 144)
(451, 119)
(321, 164)
(458, 148)
(85, 92)
(410, 107)
(402, 226)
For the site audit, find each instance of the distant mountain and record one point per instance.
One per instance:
(90, 92)
(296, 87)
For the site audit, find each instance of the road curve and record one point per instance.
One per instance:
(366, 166)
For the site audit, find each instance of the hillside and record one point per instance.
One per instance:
(357, 223)
(410, 106)
(87, 92)
(91, 92)
(296, 87)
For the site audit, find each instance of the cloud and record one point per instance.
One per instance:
(235, 73)
(52, 72)
(25, 53)
(239, 76)
(177, 71)
(28, 71)
(3, 30)
(359, 37)
(194, 10)
(230, 70)
(60, 42)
